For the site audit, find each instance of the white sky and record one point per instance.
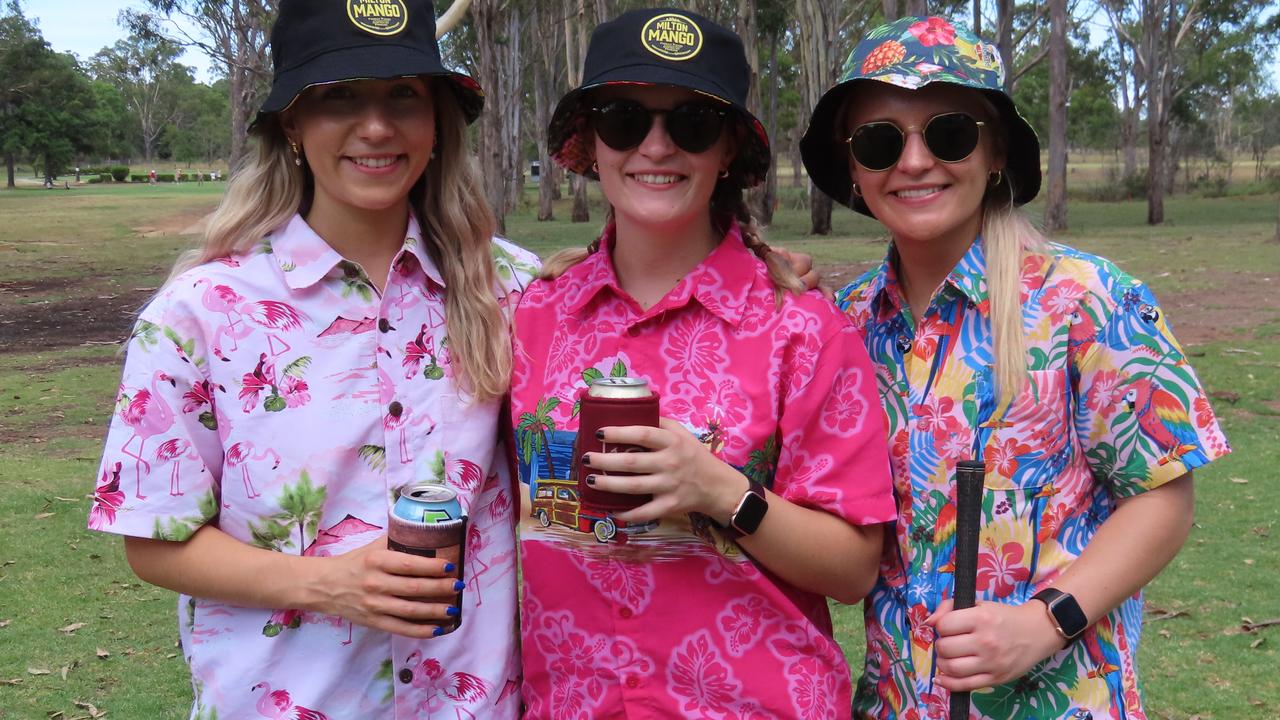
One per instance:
(86, 26)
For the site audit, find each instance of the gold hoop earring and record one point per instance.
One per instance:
(595, 167)
(857, 191)
(297, 153)
(723, 174)
(995, 178)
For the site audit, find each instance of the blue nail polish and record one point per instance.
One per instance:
(451, 611)
(450, 567)
(458, 585)
(438, 632)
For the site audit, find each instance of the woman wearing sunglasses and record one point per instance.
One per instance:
(761, 492)
(1051, 366)
(293, 374)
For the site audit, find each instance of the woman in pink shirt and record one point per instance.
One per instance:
(769, 472)
(341, 334)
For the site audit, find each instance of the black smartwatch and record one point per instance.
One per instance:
(1068, 619)
(746, 519)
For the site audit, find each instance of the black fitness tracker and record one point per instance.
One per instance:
(1068, 619)
(746, 519)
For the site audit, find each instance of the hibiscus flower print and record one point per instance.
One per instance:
(1061, 299)
(699, 676)
(1002, 457)
(1104, 394)
(1000, 569)
(107, 499)
(627, 583)
(694, 347)
(845, 407)
(931, 415)
(744, 622)
(934, 31)
(295, 391)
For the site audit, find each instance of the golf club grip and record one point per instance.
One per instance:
(969, 477)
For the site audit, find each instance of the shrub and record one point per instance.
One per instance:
(119, 172)
(97, 179)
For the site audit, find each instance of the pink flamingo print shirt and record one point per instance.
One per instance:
(279, 397)
(1111, 409)
(672, 619)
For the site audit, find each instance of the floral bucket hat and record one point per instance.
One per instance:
(661, 47)
(913, 52)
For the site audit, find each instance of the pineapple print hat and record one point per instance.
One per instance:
(912, 52)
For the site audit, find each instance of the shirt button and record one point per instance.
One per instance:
(384, 325)
(625, 613)
(406, 676)
(395, 408)
(633, 682)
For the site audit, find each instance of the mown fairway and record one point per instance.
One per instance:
(77, 627)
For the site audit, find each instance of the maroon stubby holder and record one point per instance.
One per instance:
(611, 402)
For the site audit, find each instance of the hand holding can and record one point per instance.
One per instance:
(427, 520)
(610, 402)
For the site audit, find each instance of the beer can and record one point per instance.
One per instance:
(427, 520)
(611, 402)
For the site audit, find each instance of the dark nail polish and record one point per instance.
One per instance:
(591, 479)
(451, 611)
(458, 585)
(450, 567)
(599, 434)
(586, 458)
(438, 632)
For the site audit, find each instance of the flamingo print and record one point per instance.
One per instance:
(241, 454)
(460, 687)
(148, 414)
(176, 449)
(107, 499)
(423, 346)
(224, 300)
(274, 317)
(277, 705)
(398, 417)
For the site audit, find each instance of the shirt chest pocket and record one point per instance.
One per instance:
(1030, 444)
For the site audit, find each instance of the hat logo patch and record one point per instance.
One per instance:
(671, 36)
(378, 17)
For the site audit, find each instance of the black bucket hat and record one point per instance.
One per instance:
(314, 42)
(912, 52)
(661, 47)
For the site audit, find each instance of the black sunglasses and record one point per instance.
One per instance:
(951, 137)
(623, 124)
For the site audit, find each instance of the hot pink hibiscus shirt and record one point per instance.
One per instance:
(277, 396)
(673, 619)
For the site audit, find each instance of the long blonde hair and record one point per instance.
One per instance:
(457, 226)
(1008, 237)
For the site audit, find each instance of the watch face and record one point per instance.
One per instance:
(750, 513)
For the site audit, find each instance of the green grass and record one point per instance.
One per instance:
(53, 407)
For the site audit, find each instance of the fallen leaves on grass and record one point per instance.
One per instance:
(94, 712)
(44, 515)
(66, 669)
(1250, 626)
(1156, 613)
(69, 629)
(103, 654)
(5, 623)
(1239, 480)
(1257, 643)
(11, 681)
(37, 671)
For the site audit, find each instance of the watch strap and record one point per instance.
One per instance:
(1067, 616)
(749, 513)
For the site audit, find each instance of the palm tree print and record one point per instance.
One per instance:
(534, 428)
(179, 529)
(300, 507)
(762, 463)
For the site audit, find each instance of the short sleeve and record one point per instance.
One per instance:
(833, 453)
(1140, 412)
(162, 459)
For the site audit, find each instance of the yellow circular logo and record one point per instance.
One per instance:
(379, 17)
(671, 36)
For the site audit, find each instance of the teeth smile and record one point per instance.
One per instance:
(374, 162)
(658, 179)
(918, 192)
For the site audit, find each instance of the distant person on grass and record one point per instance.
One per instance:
(342, 333)
(1053, 366)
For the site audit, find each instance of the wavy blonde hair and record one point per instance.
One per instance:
(457, 227)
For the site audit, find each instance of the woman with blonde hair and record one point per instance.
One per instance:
(341, 334)
(1051, 366)
(688, 575)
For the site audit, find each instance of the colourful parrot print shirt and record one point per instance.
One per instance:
(671, 618)
(1111, 409)
(278, 396)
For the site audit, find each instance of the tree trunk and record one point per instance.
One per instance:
(9, 168)
(1277, 237)
(581, 210)
(769, 198)
(977, 17)
(1055, 210)
(1004, 40)
(820, 206)
(797, 160)
(918, 8)
(819, 44)
(1155, 169)
(890, 8)
(546, 69)
(498, 60)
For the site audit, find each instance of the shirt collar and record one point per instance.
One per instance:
(721, 283)
(305, 258)
(968, 277)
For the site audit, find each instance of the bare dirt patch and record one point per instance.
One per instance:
(190, 222)
(91, 318)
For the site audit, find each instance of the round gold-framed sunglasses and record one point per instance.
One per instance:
(950, 136)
